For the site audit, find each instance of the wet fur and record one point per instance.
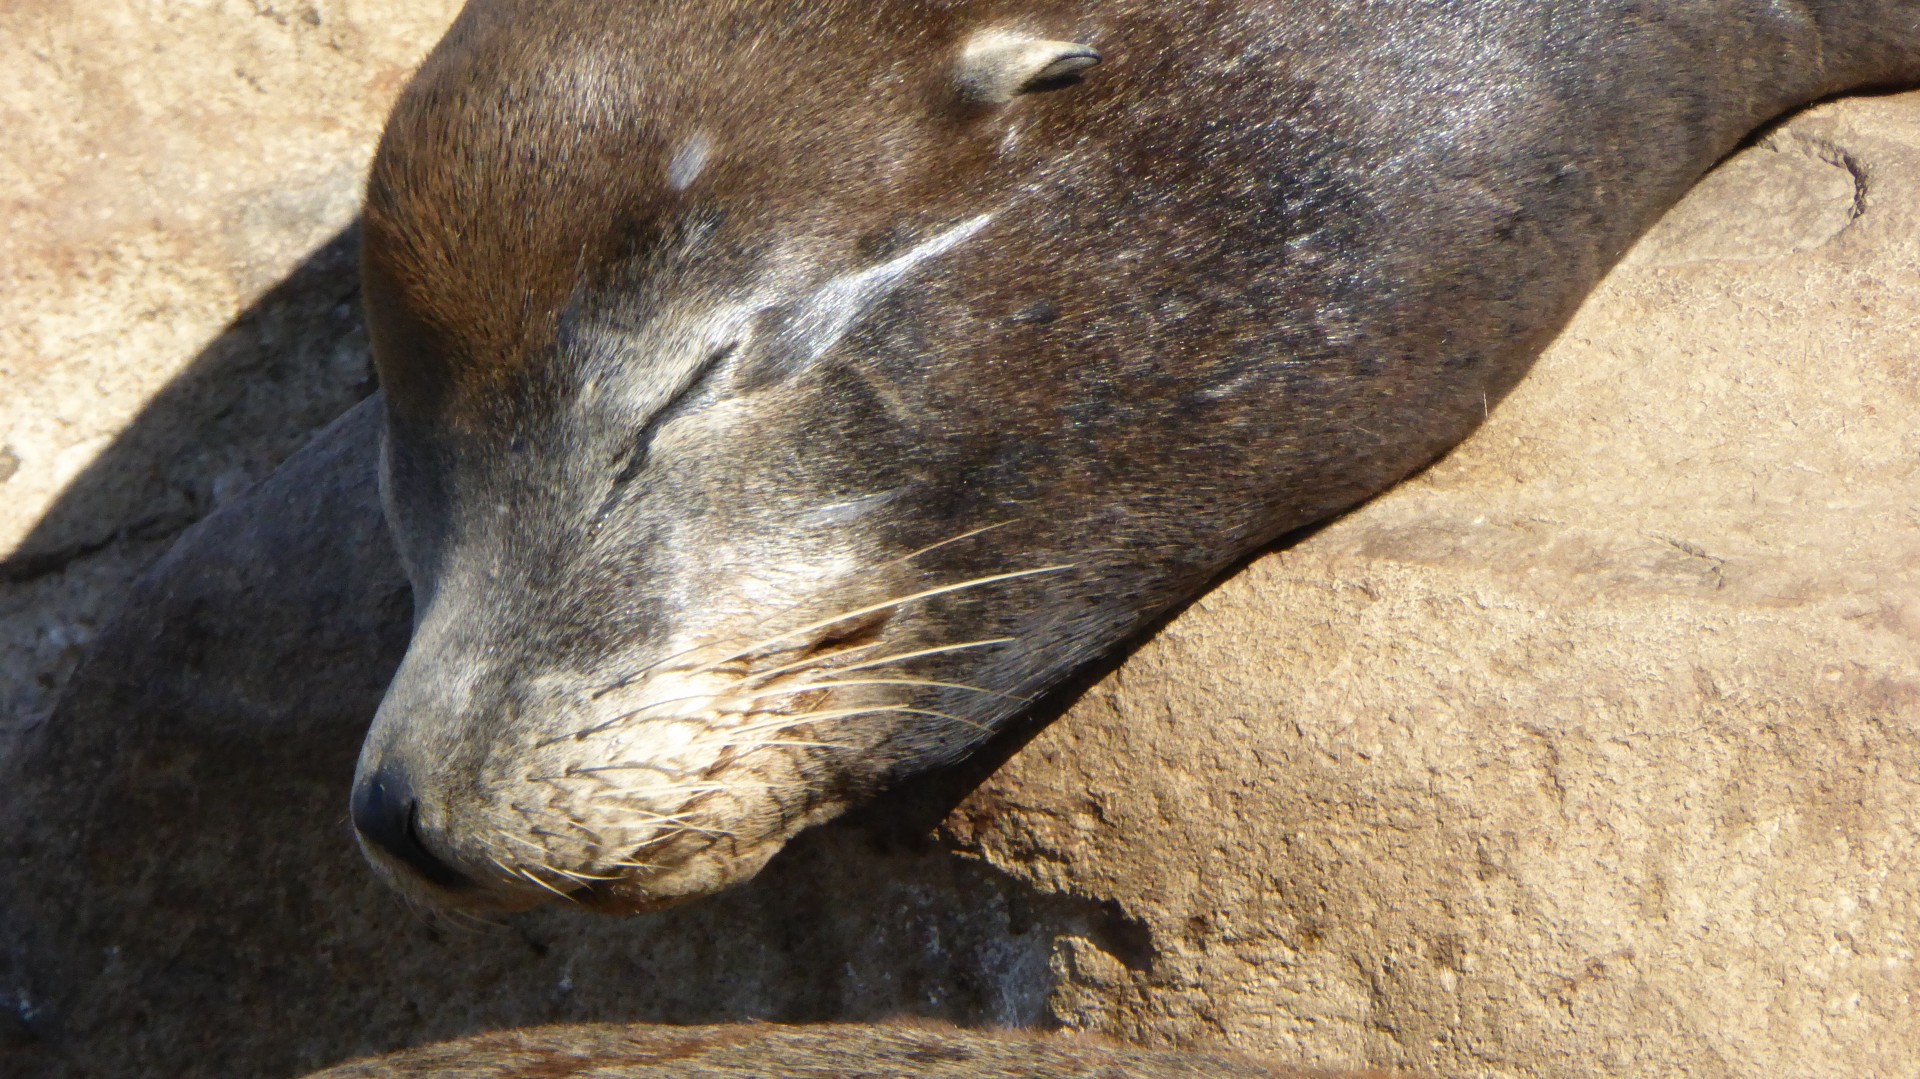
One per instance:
(723, 339)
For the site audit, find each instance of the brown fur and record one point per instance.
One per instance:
(761, 1051)
(733, 494)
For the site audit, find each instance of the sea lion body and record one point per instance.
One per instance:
(781, 396)
(756, 1051)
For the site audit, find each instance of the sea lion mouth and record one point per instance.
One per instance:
(686, 774)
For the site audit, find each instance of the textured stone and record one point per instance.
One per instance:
(1593, 749)
(168, 170)
(1596, 747)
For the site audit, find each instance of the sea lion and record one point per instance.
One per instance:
(757, 1050)
(781, 396)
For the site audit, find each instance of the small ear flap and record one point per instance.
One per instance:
(997, 66)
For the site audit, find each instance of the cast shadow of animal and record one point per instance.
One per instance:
(181, 892)
(283, 369)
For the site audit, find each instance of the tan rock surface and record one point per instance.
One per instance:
(1593, 750)
(163, 167)
(1596, 748)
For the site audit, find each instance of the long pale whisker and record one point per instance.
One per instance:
(645, 816)
(582, 878)
(928, 593)
(846, 683)
(607, 725)
(749, 745)
(576, 772)
(529, 878)
(689, 826)
(680, 821)
(676, 788)
(908, 557)
(786, 722)
(476, 923)
(810, 661)
(902, 657)
(629, 864)
(624, 717)
(650, 705)
(554, 869)
(535, 879)
(528, 843)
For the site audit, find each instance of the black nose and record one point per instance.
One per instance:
(388, 816)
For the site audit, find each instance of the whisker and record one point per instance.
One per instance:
(646, 816)
(908, 557)
(475, 923)
(677, 820)
(928, 593)
(576, 772)
(677, 788)
(533, 878)
(623, 717)
(688, 826)
(925, 682)
(762, 676)
(901, 657)
(584, 830)
(798, 718)
(582, 878)
(523, 842)
(786, 744)
(688, 789)
(525, 876)
(619, 719)
(810, 661)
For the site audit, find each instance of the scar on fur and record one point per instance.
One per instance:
(998, 66)
(690, 161)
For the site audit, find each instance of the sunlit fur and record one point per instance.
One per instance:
(780, 395)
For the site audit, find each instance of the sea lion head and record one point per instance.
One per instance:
(693, 487)
(781, 395)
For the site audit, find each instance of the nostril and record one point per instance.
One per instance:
(388, 816)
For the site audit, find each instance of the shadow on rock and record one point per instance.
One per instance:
(285, 368)
(290, 364)
(180, 893)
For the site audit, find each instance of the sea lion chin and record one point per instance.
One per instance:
(780, 398)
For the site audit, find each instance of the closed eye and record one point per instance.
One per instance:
(634, 460)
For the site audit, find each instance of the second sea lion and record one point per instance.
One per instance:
(839, 1051)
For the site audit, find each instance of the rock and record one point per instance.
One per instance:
(1595, 748)
(176, 312)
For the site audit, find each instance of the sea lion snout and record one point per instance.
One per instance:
(630, 784)
(386, 815)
